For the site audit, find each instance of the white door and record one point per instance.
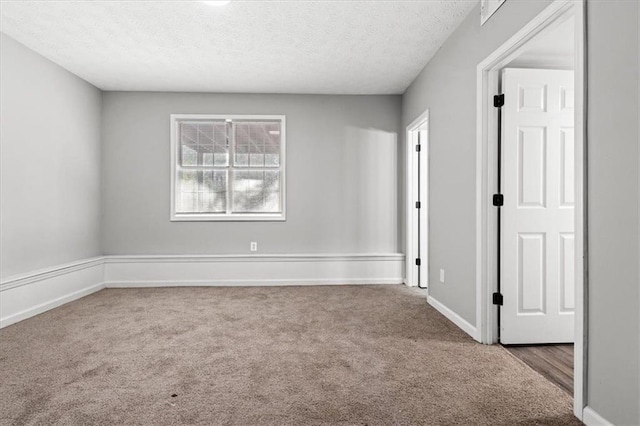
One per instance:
(537, 244)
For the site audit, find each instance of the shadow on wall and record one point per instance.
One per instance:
(369, 194)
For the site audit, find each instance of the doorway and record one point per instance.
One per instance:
(417, 202)
(536, 251)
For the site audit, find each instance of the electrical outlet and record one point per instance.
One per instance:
(442, 276)
(254, 246)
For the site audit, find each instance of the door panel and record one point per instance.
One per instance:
(532, 162)
(538, 181)
(568, 171)
(532, 280)
(567, 273)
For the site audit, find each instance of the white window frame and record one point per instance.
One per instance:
(228, 217)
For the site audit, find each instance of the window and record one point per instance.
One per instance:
(227, 167)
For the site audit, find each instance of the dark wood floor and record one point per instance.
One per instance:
(555, 362)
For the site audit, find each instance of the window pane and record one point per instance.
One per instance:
(272, 202)
(272, 147)
(256, 160)
(272, 191)
(221, 146)
(212, 202)
(272, 181)
(242, 160)
(205, 155)
(206, 202)
(188, 134)
(272, 160)
(215, 181)
(205, 133)
(221, 153)
(204, 144)
(256, 191)
(242, 152)
(215, 192)
(189, 155)
(202, 191)
(260, 140)
(188, 180)
(187, 202)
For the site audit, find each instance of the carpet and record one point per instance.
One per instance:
(352, 355)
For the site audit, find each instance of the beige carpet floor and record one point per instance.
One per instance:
(362, 355)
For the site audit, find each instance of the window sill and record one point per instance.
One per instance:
(279, 217)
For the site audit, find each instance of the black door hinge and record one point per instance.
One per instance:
(418, 147)
(498, 200)
(497, 299)
(418, 204)
(418, 262)
(498, 101)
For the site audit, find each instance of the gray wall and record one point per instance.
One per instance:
(447, 86)
(614, 335)
(341, 175)
(50, 163)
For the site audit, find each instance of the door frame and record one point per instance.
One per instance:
(486, 163)
(411, 231)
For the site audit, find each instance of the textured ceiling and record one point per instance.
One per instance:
(331, 46)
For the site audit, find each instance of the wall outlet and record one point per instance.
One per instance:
(254, 246)
(442, 276)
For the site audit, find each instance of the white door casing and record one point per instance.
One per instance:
(538, 181)
(417, 188)
(422, 192)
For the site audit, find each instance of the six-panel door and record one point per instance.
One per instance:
(537, 268)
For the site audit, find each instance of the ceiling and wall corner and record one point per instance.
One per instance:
(321, 47)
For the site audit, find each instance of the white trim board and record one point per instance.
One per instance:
(251, 270)
(411, 185)
(246, 283)
(591, 418)
(321, 257)
(487, 86)
(26, 295)
(455, 318)
(48, 273)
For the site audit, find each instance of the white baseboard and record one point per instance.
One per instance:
(455, 318)
(27, 295)
(591, 418)
(23, 296)
(243, 283)
(253, 270)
